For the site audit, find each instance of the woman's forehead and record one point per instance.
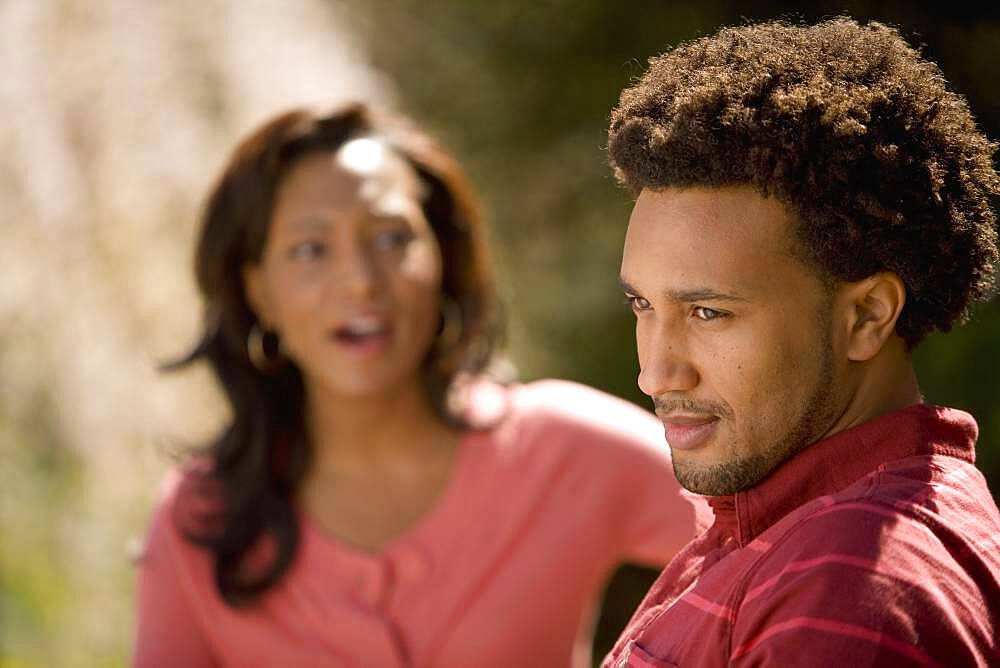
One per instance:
(364, 167)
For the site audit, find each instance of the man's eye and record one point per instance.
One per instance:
(637, 303)
(307, 250)
(392, 239)
(705, 313)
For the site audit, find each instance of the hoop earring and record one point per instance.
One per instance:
(452, 325)
(257, 350)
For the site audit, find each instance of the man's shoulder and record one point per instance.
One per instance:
(878, 573)
(929, 490)
(922, 522)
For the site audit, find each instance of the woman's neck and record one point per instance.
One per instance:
(378, 465)
(352, 435)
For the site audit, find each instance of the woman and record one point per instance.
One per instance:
(375, 501)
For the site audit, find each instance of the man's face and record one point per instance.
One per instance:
(733, 333)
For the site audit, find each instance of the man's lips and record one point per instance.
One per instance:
(686, 432)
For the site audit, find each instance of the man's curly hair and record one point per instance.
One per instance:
(847, 126)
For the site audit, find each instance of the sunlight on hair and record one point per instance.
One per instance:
(361, 155)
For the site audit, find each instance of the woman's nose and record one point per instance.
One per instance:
(358, 275)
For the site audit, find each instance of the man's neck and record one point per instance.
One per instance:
(884, 384)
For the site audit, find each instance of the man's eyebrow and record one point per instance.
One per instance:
(703, 295)
(690, 295)
(626, 286)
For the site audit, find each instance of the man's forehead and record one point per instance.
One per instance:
(708, 203)
(711, 216)
(724, 239)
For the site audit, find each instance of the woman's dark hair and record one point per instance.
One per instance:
(239, 502)
(851, 129)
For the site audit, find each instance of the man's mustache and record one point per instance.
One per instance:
(670, 405)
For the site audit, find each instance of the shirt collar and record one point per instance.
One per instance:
(836, 462)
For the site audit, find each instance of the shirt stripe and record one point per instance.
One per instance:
(838, 628)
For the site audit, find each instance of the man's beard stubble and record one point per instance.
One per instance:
(743, 473)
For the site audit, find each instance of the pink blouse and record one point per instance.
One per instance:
(568, 484)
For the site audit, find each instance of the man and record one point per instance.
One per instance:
(812, 202)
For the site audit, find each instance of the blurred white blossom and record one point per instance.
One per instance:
(117, 115)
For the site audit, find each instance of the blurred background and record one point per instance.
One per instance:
(118, 113)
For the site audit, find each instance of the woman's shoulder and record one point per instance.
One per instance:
(561, 414)
(562, 404)
(187, 505)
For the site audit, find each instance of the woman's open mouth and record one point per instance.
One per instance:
(363, 335)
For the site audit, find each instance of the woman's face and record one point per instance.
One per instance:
(350, 274)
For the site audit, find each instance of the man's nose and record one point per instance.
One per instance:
(665, 366)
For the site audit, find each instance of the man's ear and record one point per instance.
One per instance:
(873, 306)
(256, 294)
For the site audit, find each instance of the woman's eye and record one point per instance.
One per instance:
(637, 303)
(307, 250)
(705, 313)
(392, 239)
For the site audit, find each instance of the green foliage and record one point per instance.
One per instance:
(34, 580)
(522, 91)
(960, 369)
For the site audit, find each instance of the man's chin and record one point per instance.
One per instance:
(721, 479)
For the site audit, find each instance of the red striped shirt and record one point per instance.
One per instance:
(879, 546)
